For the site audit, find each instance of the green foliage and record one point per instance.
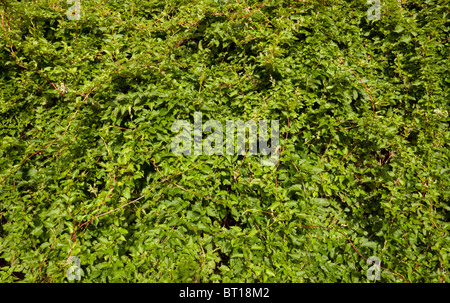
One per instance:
(86, 168)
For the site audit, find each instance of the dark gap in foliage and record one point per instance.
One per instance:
(147, 169)
(302, 36)
(224, 260)
(266, 75)
(384, 156)
(18, 275)
(413, 137)
(222, 54)
(412, 6)
(228, 220)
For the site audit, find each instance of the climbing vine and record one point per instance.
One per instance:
(87, 170)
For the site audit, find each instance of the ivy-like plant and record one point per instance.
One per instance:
(86, 168)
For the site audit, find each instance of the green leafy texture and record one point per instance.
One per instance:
(86, 168)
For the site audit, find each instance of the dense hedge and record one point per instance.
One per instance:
(86, 167)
